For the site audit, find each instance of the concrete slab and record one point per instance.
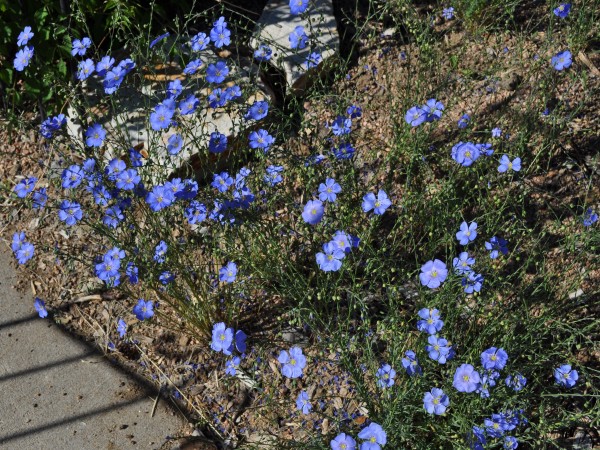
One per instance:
(58, 392)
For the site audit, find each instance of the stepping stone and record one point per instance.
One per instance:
(274, 27)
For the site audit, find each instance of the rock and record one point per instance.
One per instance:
(274, 27)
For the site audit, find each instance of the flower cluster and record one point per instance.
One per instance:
(429, 112)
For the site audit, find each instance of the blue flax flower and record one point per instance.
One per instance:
(566, 376)
(144, 309)
(313, 212)
(330, 260)
(496, 132)
(438, 349)
(506, 164)
(273, 175)
(495, 246)
(303, 403)
(128, 179)
(562, 10)
(467, 233)
(258, 110)
(222, 338)
(464, 121)
(220, 34)
(261, 139)
(70, 212)
(24, 252)
(85, 69)
(354, 111)
(192, 67)
(39, 198)
(95, 135)
(378, 204)
(298, 38)
(433, 110)
(466, 378)
(189, 105)
(342, 241)
(199, 42)
(25, 186)
(22, 58)
(79, 47)
(228, 273)
(161, 117)
(121, 328)
(232, 365)
(313, 60)
(328, 191)
(431, 322)
(562, 60)
(436, 402)
(72, 177)
(104, 65)
(344, 151)
(385, 376)
(374, 437)
(217, 142)
(263, 53)
(472, 282)
(476, 438)
(495, 426)
(462, 264)
(293, 362)
(589, 218)
(159, 198)
(113, 216)
(341, 125)
(160, 252)
(465, 153)
(494, 358)
(343, 442)
(415, 116)
(216, 73)
(40, 307)
(24, 36)
(433, 273)
(52, 124)
(298, 6)
(510, 443)
(448, 13)
(516, 381)
(222, 182)
(411, 364)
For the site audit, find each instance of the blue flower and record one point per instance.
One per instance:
(506, 164)
(79, 47)
(144, 309)
(448, 13)
(261, 139)
(510, 443)
(415, 116)
(114, 168)
(232, 365)
(298, 6)
(495, 246)
(216, 73)
(220, 34)
(222, 337)
(328, 191)
(161, 117)
(240, 341)
(127, 179)
(431, 322)
(174, 89)
(85, 69)
(494, 426)
(159, 198)
(95, 135)
(341, 125)
(222, 182)
(466, 378)
(313, 212)
(463, 263)
(24, 36)
(293, 362)
(354, 111)
(158, 39)
(516, 381)
(52, 124)
(433, 110)
(72, 177)
(40, 307)
(463, 122)
(343, 442)
(411, 364)
(303, 403)
(378, 205)
(112, 217)
(22, 58)
(298, 38)
(467, 233)
(192, 67)
(174, 144)
(24, 252)
(330, 259)
(562, 60)
(374, 437)
(385, 376)
(189, 105)
(496, 132)
(70, 212)
(562, 10)
(438, 349)
(195, 213)
(263, 53)
(436, 402)
(472, 282)
(132, 273)
(476, 438)
(198, 43)
(121, 328)
(465, 153)
(160, 252)
(344, 151)
(166, 277)
(104, 65)
(39, 198)
(433, 273)
(217, 142)
(217, 98)
(342, 241)
(312, 60)
(25, 186)
(228, 273)
(258, 110)
(589, 218)
(494, 358)
(566, 376)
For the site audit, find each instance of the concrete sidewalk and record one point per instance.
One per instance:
(57, 392)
